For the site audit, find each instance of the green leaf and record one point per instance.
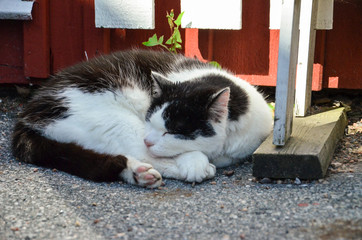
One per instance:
(172, 14)
(170, 23)
(271, 106)
(160, 40)
(152, 41)
(215, 64)
(178, 46)
(169, 41)
(177, 36)
(178, 20)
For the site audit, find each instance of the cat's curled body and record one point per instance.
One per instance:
(139, 114)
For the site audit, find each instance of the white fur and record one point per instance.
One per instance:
(114, 123)
(105, 122)
(238, 139)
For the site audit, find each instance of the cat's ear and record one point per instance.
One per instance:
(158, 81)
(218, 106)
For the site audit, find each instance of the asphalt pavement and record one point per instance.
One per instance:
(39, 203)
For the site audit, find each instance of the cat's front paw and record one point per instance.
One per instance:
(195, 167)
(146, 176)
(141, 174)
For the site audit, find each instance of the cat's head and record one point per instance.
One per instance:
(185, 117)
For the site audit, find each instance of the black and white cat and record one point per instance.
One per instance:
(137, 115)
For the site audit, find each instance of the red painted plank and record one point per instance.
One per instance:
(192, 44)
(36, 41)
(343, 50)
(244, 51)
(11, 52)
(66, 33)
(96, 40)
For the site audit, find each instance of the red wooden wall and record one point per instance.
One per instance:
(63, 32)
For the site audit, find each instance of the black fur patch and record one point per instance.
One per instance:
(45, 109)
(187, 114)
(115, 71)
(187, 120)
(30, 146)
(239, 102)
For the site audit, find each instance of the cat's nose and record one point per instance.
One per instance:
(148, 143)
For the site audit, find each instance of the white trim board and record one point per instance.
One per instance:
(16, 9)
(212, 14)
(127, 14)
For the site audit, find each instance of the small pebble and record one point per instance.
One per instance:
(229, 173)
(303, 205)
(297, 181)
(265, 181)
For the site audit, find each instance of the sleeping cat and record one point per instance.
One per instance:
(137, 115)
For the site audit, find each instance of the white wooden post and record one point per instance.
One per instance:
(307, 34)
(315, 15)
(287, 61)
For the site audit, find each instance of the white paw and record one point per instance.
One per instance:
(141, 174)
(195, 167)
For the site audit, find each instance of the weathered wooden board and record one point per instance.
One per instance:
(308, 152)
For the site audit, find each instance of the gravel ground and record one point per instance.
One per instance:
(38, 203)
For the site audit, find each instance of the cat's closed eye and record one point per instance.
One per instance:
(170, 133)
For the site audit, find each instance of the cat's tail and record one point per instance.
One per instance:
(30, 146)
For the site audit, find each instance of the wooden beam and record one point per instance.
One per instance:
(287, 61)
(308, 152)
(37, 42)
(96, 41)
(307, 36)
